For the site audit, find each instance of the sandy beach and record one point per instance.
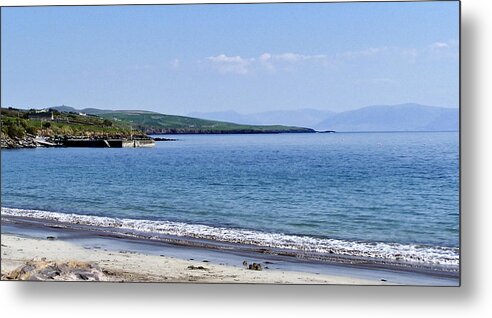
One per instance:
(128, 266)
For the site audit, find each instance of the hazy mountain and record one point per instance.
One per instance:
(64, 108)
(404, 117)
(300, 118)
(68, 109)
(96, 111)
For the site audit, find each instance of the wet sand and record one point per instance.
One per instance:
(130, 266)
(206, 254)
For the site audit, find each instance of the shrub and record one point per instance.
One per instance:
(16, 131)
(107, 123)
(32, 130)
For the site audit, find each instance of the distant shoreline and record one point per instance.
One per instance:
(232, 132)
(28, 141)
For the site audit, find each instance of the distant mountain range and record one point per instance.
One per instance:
(95, 111)
(301, 118)
(403, 117)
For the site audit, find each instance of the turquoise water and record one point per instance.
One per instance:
(365, 193)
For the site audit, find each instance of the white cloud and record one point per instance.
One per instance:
(266, 61)
(440, 45)
(290, 61)
(231, 64)
(435, 50)
(265, 57)
(294, 57)
(369, 52)
(288, 57)
(443, 50)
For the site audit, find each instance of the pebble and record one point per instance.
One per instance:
(255, 267)
(192, 267)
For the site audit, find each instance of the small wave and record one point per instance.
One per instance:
(413, 253)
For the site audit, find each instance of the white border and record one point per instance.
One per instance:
(473, 299)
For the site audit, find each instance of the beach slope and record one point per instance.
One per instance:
(127, 266)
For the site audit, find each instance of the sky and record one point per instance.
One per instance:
(178, 59)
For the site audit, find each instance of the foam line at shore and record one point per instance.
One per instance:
(412, 253)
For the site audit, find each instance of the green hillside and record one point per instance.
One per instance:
(155, 123)
(17, 123)
(68, 121)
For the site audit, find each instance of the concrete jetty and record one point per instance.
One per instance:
(109, 143)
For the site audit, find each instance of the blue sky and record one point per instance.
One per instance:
(247, 58)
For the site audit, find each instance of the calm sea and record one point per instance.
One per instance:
(390, 195)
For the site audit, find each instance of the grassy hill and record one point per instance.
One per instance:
(17, 123)
(68, 121)
(155, 123)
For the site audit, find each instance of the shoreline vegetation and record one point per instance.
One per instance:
(21, 128)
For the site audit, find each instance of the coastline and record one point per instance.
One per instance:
(131, 259)
(413, 258)
(128, 266)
